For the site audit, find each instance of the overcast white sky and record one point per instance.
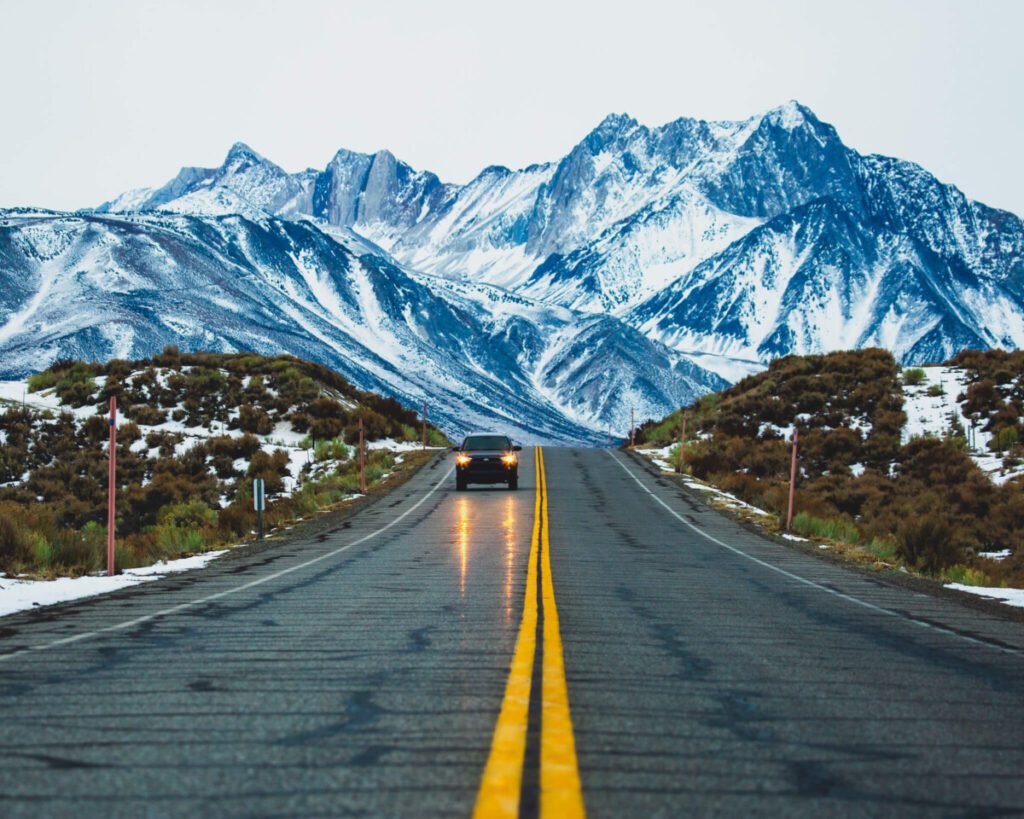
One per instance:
(104, 96)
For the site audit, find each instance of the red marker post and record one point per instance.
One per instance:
(682, 446)
(792, 483)
(362, 460)
(111, 486)
(424, 425)
(632, 427)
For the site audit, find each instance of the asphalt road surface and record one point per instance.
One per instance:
(598, 642)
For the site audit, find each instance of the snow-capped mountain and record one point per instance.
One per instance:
(97, 286)
(635, 220)
(628, 272)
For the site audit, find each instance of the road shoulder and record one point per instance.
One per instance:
(890, 578)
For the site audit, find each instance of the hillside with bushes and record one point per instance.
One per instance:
(915, 467)
(194, 430)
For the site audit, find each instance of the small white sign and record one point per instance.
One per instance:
(259, 496)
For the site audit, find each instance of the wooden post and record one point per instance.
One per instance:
(424, 424)
(632, 427)
(111, 485)
(362, 460)
(792, 483)
(682, 446)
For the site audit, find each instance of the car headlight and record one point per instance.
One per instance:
(462, 459)
(509, 459)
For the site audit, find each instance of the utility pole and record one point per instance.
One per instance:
(111, 485)
(362, 460)
(792, 483)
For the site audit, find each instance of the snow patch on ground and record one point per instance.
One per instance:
(662, 458)
(1002, 554)
(19, 595)
(1012, 597)
(399, 446)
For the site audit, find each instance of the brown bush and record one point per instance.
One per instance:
(325, 428)
(237, 519)
(929, 542)
(254, 419)
(146, 414)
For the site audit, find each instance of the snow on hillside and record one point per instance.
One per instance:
(934, 406)
(301, 460)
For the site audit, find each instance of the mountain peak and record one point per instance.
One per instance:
(610, 129)
(790, 115)
(240, 150)
(615, 123)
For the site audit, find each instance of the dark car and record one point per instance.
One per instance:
(487, 458)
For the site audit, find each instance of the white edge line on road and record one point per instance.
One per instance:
(806, 582)
(209, 598)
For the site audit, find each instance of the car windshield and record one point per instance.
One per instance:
(474, 442)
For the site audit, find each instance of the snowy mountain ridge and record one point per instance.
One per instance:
(635, 270)
(636, 221)
(96, 286)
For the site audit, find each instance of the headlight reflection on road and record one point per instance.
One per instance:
(509, 525)
(462, 539)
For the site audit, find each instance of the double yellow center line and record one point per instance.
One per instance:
(560, 791)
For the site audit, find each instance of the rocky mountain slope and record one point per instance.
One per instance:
(94, 286)
(638, 270)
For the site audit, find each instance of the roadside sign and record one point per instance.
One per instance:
(259, 503)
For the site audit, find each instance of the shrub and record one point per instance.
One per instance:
(43, 381)
(326, 428)
(271, 468)
(86, 549)
(436, 438)
(15, 543)
(935, 390)
(882, 548)
(914, 376)
(42, 551)
(242, 446)
(77, 393)
(254, 419)
(174, 541)
(237, 519)
(146, 414)
(190, 515)
(334, 450)
(928, 543)
(834, 529)
(965, 576)
(1004, 439)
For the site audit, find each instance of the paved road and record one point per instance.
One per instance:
(608, 643)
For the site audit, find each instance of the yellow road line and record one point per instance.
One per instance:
(499, 788)
(560, 792)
